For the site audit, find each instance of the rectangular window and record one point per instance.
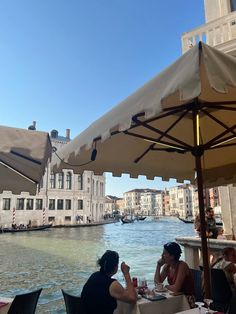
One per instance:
(80, 182)
(80, 204)
(51, 218)
(52, 204)
(68, 204)
(233, 5)
(52, 180)
(6, 205)
(68, 180)
(29, 203)
(60, 204)
(67, 218)
(39, 203)
(61, 180)
(20, 203)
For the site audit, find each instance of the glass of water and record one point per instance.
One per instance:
(199, 305)
(208, 303)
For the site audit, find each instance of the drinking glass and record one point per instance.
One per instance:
(199, 305)
(143, 282)
(208, 303)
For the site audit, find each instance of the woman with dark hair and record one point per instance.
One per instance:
(101, 292)
(177, 272)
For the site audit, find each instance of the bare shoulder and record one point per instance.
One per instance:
(116, 289)
(183, 265)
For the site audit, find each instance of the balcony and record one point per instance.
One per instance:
(220, 33)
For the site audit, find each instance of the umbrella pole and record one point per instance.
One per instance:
(197, 152)
(206, 271)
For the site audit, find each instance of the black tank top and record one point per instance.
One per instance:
(96, 296)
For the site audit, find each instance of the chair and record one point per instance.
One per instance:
(74, 304)
(197, 277)
(221, 292)
(25, 303)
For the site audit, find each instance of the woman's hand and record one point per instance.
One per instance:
(160, 262)
(124, 268)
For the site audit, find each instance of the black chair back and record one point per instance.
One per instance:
(25, 303)
(221, 292)
(197, 277)
(74, 304)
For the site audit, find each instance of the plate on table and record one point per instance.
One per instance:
(164, 289)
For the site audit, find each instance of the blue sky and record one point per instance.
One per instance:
(65, 63)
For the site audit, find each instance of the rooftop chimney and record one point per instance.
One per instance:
(33, 126)
(68, 134)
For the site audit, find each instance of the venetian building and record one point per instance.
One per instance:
(181, 200)
(64, 198)
(219, 31)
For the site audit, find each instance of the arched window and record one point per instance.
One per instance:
(68, 180)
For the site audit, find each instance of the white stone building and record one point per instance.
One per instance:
(182, 200)
(148, 202)
(160, 208)
(64, 198)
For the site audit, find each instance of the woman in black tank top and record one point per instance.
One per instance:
(101, 292)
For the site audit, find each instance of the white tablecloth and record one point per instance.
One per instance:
(170, 305)
(195, 311)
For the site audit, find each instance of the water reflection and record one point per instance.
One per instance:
(64, 258)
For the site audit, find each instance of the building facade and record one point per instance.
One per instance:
(64, 198)
(182, 200)
(219, 31)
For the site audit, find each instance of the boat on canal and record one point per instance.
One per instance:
(219, 222)
(25, 229)
(126, 220)
(141, 218)
(187, 220)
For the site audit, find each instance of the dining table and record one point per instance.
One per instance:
(202, 310)
(5, 304)
(170, 304)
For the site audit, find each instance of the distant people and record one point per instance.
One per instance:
(227, 263)
(29, 225)
(211, 228)
(177, 272)
(220, 234)
(197, 224)
(101, 292)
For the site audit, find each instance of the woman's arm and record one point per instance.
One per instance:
(160, 275)
(127, 294)
(183, 270)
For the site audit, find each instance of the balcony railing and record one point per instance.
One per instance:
(220, 33)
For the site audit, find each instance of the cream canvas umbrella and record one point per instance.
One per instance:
(23, 157)
(181, 124)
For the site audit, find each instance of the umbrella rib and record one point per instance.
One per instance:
(164, 134)
(221, 107)
(228, 130)
(167, 112)
(149, 139)
(223, 145)
(17, 171)
(151, 147)
(25, 157)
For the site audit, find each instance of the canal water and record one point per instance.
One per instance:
(64, 258)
